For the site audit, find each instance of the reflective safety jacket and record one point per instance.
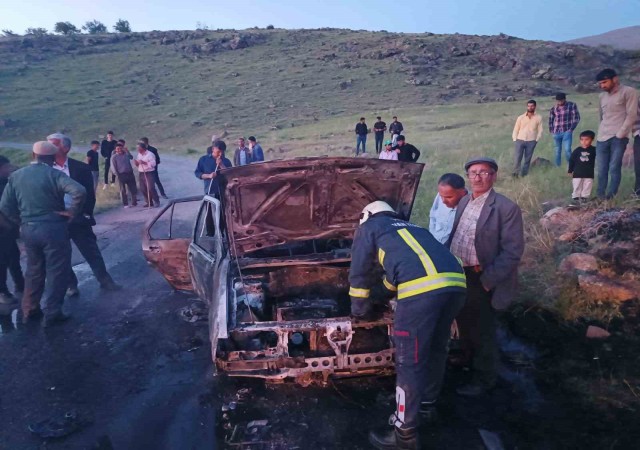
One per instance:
(414, 262)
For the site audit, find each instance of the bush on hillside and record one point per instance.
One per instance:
(270, 27)
(122, 26)
(37, 32)
(8, 33)
(94, 27)
(65, 28)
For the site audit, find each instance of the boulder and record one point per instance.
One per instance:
(579, 263)
(605, 289)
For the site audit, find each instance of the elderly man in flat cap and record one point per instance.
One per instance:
(488, 237)
(35, 197)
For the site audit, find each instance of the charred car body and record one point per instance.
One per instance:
(271, 258)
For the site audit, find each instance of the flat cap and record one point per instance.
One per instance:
(56, 136)
(481, 160)
(44, 148)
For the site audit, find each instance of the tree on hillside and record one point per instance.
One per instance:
(37, 32)
(8, 33)
(65, 28)
(94, 27)
(122, 26)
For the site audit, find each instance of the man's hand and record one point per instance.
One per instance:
(67, 214)
(455, 333)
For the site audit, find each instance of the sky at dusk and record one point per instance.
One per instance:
(557, 20)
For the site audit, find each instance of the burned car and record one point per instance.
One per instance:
(271, 259)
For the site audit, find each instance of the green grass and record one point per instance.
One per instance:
(104, 199)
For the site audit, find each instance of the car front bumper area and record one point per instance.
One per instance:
(334, 347)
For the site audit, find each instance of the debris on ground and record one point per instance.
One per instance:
(57, 427)
(253, 433)
(193, 313)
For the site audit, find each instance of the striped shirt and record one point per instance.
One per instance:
(563, 118)
(463, 243)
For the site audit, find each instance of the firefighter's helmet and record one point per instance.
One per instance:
(374, 208)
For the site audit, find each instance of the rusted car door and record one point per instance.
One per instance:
(166, 239)
(205, 251)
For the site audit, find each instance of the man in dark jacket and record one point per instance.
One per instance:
(242, 155)
(9, 251)
(156, 176)
(379, 128)
(257, 154)
(210, 165)
(430, 287)
(488, 237)
(406, 152)
(361, 136)
(396, 130)
(107, 147)
(35, 198)
(80, 228)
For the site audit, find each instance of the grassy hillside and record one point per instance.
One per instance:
(180, 87)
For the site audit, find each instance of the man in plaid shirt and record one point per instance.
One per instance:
(563, 119)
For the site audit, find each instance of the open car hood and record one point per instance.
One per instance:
(273, 203)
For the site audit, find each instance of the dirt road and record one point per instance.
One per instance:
(140, 377)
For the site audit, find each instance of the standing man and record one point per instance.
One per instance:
(81, 226)
(526, 134)
(563, 119)
(107, 147)
(257, 154)
(156, 175)
(146, 163)
(379, 128)
(35, 197)
(430, 287)
(121, 165)
(242, 155)
(9, 251)
(361, 136)
(488, 237)
(395, 129)
(443, 211)
(618, 113)
(93, 162)
(210, 165)
(406, 152)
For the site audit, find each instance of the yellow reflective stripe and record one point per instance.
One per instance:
(361, 293)
(430, 288)
(455, 275)
(431, 283)
(388, 285)
(429, 268)
(381, 257)
(459, 261)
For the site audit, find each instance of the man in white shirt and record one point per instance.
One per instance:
(388, 152)
(443, 212)
(526, 134)
(146, 163)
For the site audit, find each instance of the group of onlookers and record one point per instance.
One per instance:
(395, 149)
(619, 117)
(215, 160)
(48, 204)
(118, 162)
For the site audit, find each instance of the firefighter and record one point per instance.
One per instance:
(430, 287)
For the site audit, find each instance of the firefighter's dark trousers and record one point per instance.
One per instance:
(422, 328)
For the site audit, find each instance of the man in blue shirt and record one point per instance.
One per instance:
(242, 155)
(210, 165)
(257, 154)
(443, 212)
